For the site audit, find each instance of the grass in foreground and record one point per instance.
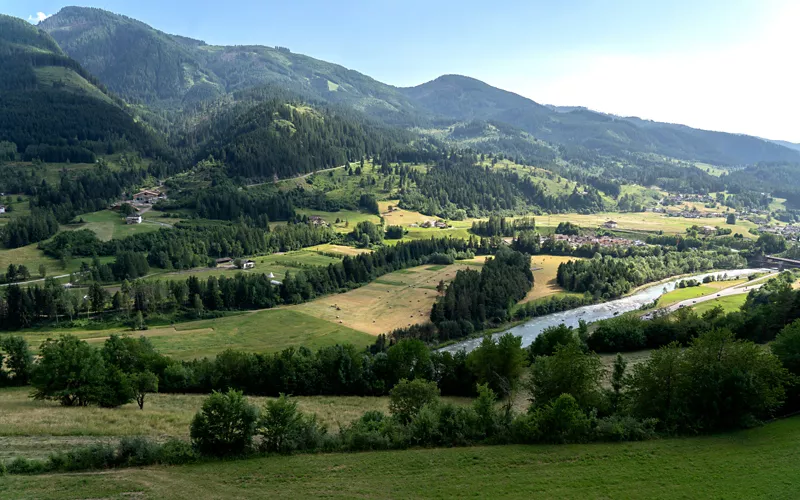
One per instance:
(759, 463)
(34, 429)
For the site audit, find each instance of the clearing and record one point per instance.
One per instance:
(395, 300)
(266, 330)
(545, 268)
(757, 463)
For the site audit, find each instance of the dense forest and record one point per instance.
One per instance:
(611, 277)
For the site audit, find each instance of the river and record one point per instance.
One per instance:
(530, 329)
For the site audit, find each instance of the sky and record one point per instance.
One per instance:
(727, 65)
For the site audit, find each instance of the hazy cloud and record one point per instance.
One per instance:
(39, 17)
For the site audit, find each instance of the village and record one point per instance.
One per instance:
(141, 202)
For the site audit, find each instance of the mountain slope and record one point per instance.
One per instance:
(173, 72)
(142, 63)
(51, 108)
(462, 98)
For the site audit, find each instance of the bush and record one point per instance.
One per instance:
(787, 347)
(525, 429)
(621, 428)
(176, 452)
(225, 425)
(137, 451)
(409, 396)
(373, 431)
(24, 466)
(97, 456)
(2, 469)
(284, 429)
(563, 421)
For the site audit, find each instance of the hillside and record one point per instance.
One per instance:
(54, 110)
(171, 72)
(162, 70)
(461, 98)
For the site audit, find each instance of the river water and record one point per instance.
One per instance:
(529, 330)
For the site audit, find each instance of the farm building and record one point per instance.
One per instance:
(611, 224)
(224, 260)
(248, 264)
(2, 209)
(133, 219)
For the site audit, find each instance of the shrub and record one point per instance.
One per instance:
(2, 469)
(373, 431)
(176, 452)
(622, 428)
(24, 466)
(563, 421)
(97, 456)
(787, 347)
(284, 429)
(137, 451)
(225, 425)
(409, 396)
(525, 429)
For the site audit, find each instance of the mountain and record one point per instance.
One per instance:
(173, 73)
(787, 144)
(462, 98)
(146, 65)
(53, 109)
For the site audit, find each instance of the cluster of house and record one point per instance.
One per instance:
(604, 241)
(316, 220)
(677, 199)
(149, 196)
(432, 223)
(790, 231)
(691, 214)
(228, 262)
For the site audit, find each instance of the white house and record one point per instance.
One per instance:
(248, 264)
(133, 219)
(2, 209)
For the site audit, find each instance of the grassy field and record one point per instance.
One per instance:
(681, 294)
(260, 331)
(758, 463)
(545, 268)
(108, 225)
(35, 428)
(392, 301)
(341, 250)
(347, 218)
(643, 221)
(729, 304)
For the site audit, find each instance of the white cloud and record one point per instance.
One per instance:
(749, 88)
(40, 16)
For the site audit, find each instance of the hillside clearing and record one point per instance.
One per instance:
(545, 268)
(393, 301)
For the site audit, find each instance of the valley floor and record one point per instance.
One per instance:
(759, 463)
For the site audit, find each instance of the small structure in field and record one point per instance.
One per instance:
(133, 219)
(248, 264)
(223, 260)
(2, 209)
(610, 224)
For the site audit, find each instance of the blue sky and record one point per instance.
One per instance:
(713, 64)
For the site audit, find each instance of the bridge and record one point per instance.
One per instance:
(780, 262)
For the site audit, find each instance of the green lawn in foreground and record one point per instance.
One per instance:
(760, 463)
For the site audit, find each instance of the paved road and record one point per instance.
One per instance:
(34, 281)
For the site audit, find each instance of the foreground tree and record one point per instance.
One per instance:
(568, 371)
(409, 396)
(69, 371)
(18, 359)
(500, 363)
(225, 425)
(143, 383)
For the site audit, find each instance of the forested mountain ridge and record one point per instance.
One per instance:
(162, 70)
(171, 72)
(461, 98)
(52, 109)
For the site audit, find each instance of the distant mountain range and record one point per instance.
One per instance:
(169, 72)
